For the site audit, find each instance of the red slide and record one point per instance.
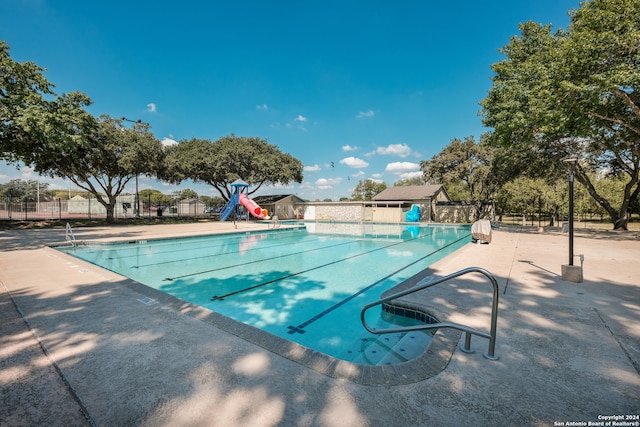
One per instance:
(252, 206)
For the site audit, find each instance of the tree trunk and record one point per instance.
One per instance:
(111, 208)
(477, 210)
(619, 218)
(110, 213)
(621, 223)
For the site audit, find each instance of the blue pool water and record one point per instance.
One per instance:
(305, 284)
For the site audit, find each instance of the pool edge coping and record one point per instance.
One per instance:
(430, 363)
(433, 360)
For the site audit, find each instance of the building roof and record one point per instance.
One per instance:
(409, 192)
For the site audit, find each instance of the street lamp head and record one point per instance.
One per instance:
(124, 119)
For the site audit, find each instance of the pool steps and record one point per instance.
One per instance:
(431, 281)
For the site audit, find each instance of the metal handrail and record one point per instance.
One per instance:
(69, 236)
(426, 283)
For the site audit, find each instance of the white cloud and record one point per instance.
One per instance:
(300, 118)
(262, 107)
(314, 168)
(27, 173)
(377, 175)
(376, 180)
(354, 162)
(151, 107)
(410, 175)
(349, 148)
(401, 167)
(166, 141)
(363, 114)
(306, 185)
(327, 183)
(400, 150)
(358, 174)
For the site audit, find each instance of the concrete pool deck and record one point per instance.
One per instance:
(82, 346)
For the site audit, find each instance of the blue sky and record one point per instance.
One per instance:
(372, 86)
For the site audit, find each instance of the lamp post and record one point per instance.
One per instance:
(136, 202)
(572, 163)
(571, 272)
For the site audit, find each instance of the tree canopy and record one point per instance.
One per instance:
(418, 180)
(108, 157)
(574, 93)
(221, 162)
(367, 189)
(465, 162)
(26, 190)
(58, 137)
(35, 123)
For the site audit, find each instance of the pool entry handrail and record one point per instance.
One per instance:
(428, 282)
(69, 236)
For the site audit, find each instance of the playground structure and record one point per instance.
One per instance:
(413, 215)
(239, 190)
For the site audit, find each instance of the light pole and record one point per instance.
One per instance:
(571, 272)
(136, 202)
(572, 163)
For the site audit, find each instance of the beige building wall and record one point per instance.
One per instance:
(394, 214)
(334, 211)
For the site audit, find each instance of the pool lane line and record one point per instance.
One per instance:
(172, 241)
(300, 328)
(221, 297)
(232, 253)
(259, 260)
(192, 248)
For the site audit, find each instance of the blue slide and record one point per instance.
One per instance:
(413, 215)
(228, 208)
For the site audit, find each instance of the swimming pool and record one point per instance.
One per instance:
(305, 284)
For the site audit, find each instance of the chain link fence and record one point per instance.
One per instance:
(17, 210)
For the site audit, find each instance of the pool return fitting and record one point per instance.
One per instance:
(426, 283)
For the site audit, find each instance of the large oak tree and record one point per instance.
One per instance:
(57, 137)
(110, 156)
(34, 121)
(366, 190)
(221, 162)
(462, 161)
(575, 93)
(464, 168)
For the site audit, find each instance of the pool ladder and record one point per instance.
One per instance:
(70, 237)
(469, 331)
